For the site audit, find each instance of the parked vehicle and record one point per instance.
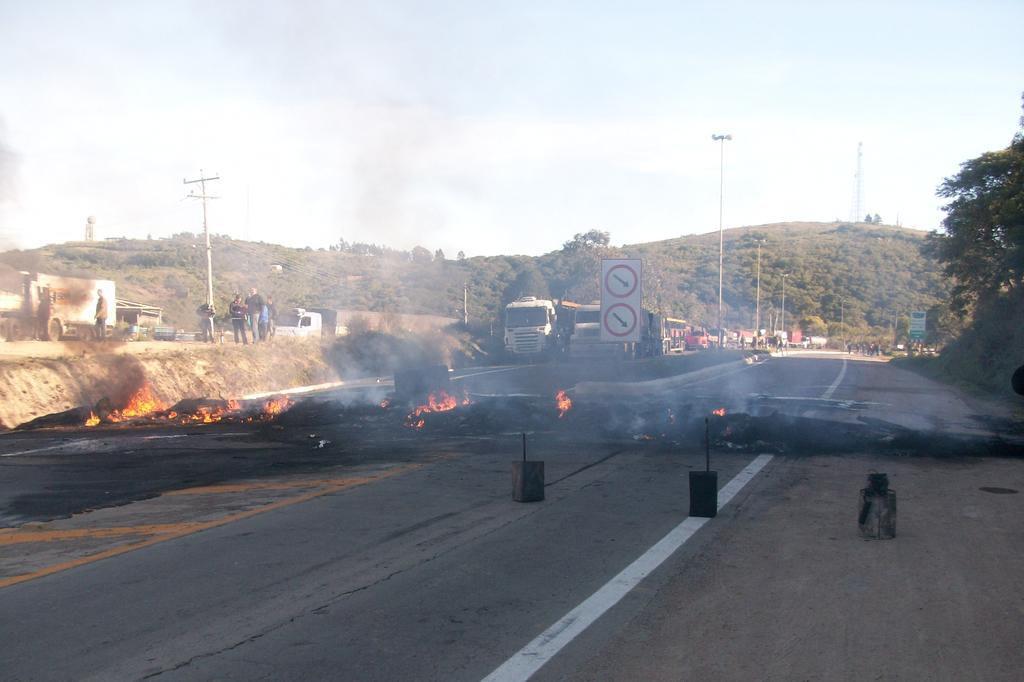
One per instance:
(586, 344)
(52, 307)
(530, 326)
(299, 322)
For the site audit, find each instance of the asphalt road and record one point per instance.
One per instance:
(249, 553)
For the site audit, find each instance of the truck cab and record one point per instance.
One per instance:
(530, 326)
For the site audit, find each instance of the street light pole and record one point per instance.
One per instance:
(721, 203)
(842, 321)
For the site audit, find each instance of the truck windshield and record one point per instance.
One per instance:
(588, 316)
(287, 320)
(526, 317)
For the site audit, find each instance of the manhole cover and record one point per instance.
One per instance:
(998, 491)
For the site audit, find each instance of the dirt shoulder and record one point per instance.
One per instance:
(81, 374)
(784, 588)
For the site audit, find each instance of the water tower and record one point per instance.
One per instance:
(90, 229)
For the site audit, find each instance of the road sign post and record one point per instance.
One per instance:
(621, 297)
(918, 319)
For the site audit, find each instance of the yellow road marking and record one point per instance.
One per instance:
(246, 487)
(164, 532)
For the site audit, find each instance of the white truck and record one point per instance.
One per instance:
(586, 344)
(37, 305)
(530, 326)
(299, 322)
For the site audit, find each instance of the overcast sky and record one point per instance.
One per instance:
(490, 127)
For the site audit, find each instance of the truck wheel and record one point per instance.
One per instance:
(13, 330)
(54, 330)
(1017, 381)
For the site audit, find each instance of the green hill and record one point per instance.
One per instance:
(877, 270)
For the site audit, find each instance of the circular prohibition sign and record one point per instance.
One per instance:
(622, 276)
(623, 320)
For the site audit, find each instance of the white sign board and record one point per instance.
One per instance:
(917, 325)
(621, 295)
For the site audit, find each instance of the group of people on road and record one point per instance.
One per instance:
(869, 349)
(254, 315)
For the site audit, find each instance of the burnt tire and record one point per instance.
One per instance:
(1017, 381)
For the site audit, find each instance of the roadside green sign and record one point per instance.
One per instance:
(917, 325)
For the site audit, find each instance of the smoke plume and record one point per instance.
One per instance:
(8, 168)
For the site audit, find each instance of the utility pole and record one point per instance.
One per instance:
(202, 180)
(784, 306)
(757, 299)
(721, 203)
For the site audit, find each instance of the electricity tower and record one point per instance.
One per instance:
(857, 204)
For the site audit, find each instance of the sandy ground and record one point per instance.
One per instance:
(790, 591)
(33, 383)
(50, 349)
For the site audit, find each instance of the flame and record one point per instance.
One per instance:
(720, 412)
(144, 404)
(562, 403)
(271, 408)
(436, 402)
(139, 405)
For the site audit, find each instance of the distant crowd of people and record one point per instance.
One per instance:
(254, 316)
(869, 349)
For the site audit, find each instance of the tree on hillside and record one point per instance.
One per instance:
(983, 244)
(528, 282)
(587, 241)
(439, 256)
(420, 255)
(461, 255)
(576, 268)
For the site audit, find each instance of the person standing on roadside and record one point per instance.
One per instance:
(264, 322)
(43, 316)
(237, 311)
(254, 305)
(101, 315)
(206, 314)
(272, 315)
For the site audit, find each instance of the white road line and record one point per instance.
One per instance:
(528, 660)
(59, 446)
(835, 384)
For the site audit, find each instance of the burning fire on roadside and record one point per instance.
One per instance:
(441, 401)
(720, 412)
(143, 406)
(562, 403)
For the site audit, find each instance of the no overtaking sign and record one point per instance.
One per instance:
(621, 295)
